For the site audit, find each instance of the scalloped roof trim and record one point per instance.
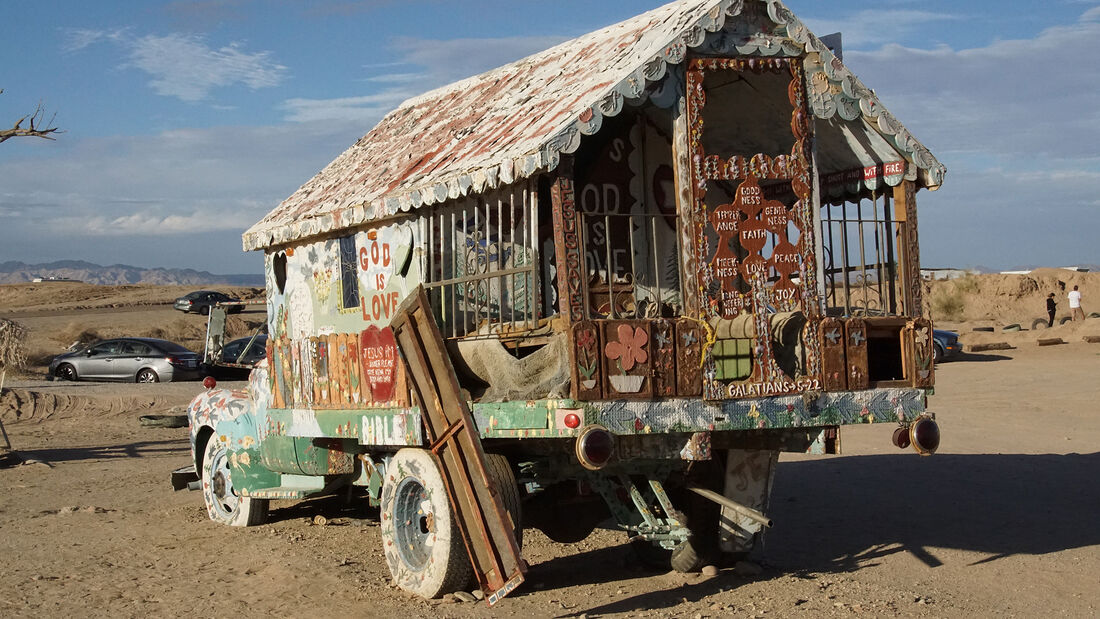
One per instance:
(688, 25)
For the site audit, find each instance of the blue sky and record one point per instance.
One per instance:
(186, 121)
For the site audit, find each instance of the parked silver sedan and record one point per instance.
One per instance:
(139, 359)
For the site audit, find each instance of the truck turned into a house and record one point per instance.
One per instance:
(607, 283)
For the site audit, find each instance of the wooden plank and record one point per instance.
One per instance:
(587, 367)
(920, 353)
(627, 359)
(486, 528)
(834, 367)
(689, 357)
(855, 352)
(662, 346)
(567, 243)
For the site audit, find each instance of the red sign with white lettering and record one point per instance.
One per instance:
(379, 361)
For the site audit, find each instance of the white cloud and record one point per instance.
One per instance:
(176, 183)
(1016, 98)
(184, 66)
(365, 111)
(1016, 122)
(876, 27)
(442, 62)
(447, 61)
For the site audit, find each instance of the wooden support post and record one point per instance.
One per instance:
(905, 210)
(685, 209)
(567, 245)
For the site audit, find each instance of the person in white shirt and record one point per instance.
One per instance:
(1075, 304)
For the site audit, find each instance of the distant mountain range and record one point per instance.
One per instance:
(120, 274)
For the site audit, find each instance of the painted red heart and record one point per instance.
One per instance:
(379, 361)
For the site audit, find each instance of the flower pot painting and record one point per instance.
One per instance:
(627, 358)
(626, 384)
(586, 371)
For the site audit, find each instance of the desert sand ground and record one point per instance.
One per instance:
(1002, 521)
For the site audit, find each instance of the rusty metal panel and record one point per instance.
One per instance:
(855, 352)
(518, 120)
(486, 528)
(834, 367)
(627, 359)
(587, 365)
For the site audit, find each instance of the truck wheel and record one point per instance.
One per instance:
(500, 474)
(222, 502)
(420, 536)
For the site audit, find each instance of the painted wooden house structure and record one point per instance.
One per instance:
(695, 230)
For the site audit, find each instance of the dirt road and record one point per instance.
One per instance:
(1002, 521)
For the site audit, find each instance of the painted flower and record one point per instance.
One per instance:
(630, 348)
(586, 339)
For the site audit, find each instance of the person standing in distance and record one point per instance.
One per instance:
(1074, 297)
(1051, 307)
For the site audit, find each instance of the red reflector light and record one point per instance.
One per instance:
(595, 446)
(572, 421)
(209, 382)
(901, 437)
(925, 435)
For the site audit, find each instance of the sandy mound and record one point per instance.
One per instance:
(999, 300)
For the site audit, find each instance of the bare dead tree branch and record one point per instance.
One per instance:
(35, 127)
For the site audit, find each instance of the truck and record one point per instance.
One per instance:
(610, 282)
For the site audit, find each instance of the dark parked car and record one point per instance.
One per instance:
(945, 345)
(232, 352)
(200, 302)
(238, 357)
(139, 359)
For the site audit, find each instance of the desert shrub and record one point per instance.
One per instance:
(967, 284)
(948, 306)
(238, 326)
(75, 334)
(12, 353)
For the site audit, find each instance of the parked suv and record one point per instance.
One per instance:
(200, 302)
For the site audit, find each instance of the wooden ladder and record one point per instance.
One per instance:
(486, 528)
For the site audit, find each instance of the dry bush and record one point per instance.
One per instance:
(12, 353)
(968, 284)
(75, 334)
(237, 326)
(948, 306)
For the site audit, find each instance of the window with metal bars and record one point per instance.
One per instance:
(861, 258)
(349, 274)
(481, 264)
(633, 265)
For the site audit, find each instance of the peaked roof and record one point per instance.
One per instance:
(515, 121)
